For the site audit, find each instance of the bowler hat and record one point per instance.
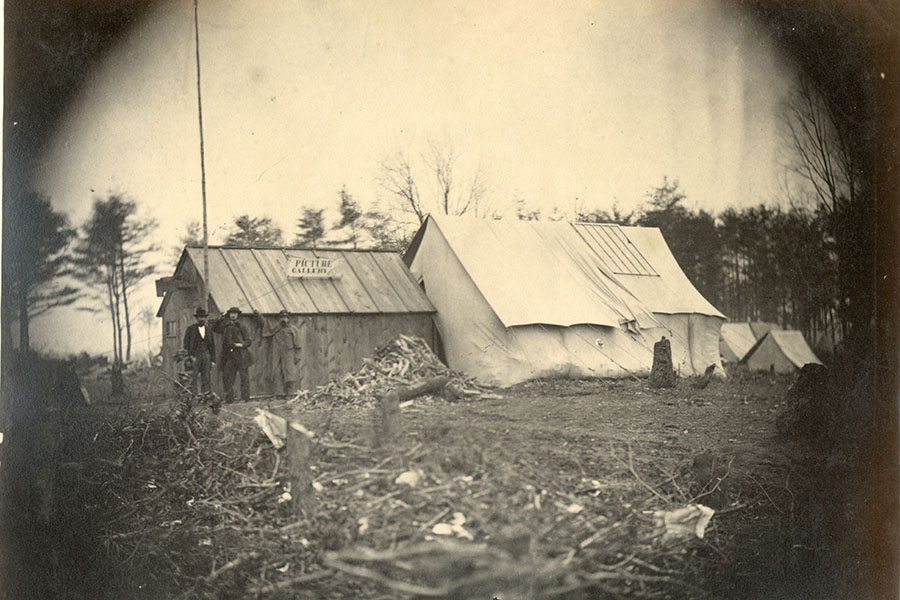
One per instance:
(234, 309)
(200, 312)
(284, 313)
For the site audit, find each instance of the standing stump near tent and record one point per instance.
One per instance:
(662, 374)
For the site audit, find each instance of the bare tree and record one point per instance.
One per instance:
(832, 153)
(821, 155)
(446, 196)
(395, 177)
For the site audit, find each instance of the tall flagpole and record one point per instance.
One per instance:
(204, 288)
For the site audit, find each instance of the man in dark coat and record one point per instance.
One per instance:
(198, 343)
(235, 357)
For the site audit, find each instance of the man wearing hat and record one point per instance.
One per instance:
(285, 341)
(198, 343)
(235, 358)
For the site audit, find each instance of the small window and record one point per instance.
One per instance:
(170, 329)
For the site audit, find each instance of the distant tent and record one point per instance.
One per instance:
(518, 300)
(735, 341)
(761, 328)
(780, 351)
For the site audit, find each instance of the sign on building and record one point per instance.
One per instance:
(312, 268)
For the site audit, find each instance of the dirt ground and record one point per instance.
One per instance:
(549, 489)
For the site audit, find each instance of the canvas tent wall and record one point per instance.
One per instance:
(781, 351)
(519, 300)
(735, 341)
(365, 300)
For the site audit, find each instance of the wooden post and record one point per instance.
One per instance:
(387, 425)
(302, 493)
(662, 374)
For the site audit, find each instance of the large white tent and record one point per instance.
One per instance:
(518, 300)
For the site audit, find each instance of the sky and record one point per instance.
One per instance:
(573, 107)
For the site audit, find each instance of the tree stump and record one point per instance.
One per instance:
(387, 419)
(662, 375)
(303, 497)
(387, 422)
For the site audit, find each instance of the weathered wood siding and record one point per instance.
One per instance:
(334, 344)
(341, 320)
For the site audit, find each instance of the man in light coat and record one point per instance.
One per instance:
(285, 344)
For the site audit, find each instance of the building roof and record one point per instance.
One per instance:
(365, 282)
(559, 273)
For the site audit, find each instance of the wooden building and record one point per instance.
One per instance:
(344, 303)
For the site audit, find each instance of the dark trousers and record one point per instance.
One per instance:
(234, 365)
(202, 366)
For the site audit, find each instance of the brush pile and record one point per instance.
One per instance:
(402, 362)
(196, 505)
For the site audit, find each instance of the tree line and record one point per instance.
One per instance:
(809, 266)
(761, 263)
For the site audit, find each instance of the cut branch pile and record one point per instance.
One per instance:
(404, 361)
(201, 506)
(198, 508)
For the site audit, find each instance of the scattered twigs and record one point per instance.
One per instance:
(216, 573)
(774, 505)
(630, 465)
(400, 586)
(622, 574)
(715, 487)
(289, 583)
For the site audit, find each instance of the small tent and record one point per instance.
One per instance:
(518, 300)
(735, 341)
(781, 351)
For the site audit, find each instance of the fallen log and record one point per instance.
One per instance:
(430, 385)
(387, 425)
